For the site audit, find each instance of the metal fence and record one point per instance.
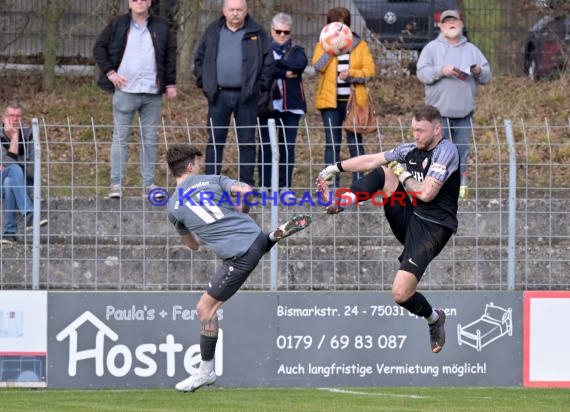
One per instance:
(514, 227)
(499, 28)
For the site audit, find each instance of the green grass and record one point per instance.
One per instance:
(290, 400)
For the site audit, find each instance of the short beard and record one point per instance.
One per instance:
(453, 33)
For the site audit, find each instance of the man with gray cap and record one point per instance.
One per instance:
(451, 67)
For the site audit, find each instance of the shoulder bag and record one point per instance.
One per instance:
(360, 119)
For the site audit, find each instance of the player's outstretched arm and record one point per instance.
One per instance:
(356, 164)
(364, 163)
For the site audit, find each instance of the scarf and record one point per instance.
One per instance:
(281, 49)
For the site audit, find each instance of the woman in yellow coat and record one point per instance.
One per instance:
(338, 73)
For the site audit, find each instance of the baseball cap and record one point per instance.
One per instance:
(449, 13)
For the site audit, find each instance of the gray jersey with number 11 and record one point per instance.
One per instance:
(208, 211)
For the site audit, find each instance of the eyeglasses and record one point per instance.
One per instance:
(285, 32)
(138, 1)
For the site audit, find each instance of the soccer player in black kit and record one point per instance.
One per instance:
(428, 168)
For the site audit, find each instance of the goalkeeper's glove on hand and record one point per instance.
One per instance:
(397, 168)
(400, 170)
(329, 172)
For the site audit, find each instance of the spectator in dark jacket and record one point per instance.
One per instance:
(136, 54)
(232, 65)
(288, 102)
(16, 171)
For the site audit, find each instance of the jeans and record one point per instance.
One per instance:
(460, 131)
(245, 115)
(125, 105)
(332, 119)
(287, 124)
(14, 192)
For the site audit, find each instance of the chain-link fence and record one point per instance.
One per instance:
(499, 28)
(509, 236)
(514, 226)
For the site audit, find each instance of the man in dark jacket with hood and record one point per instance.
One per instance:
(232, 65)
(136, 54)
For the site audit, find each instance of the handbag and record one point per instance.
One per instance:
(360, 119)
(265, 107)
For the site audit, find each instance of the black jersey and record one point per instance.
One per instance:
(441, 163)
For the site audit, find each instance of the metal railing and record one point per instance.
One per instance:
(514, 228)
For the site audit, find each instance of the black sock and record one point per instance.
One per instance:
(208, 347)
(270, 243)
(418, 305)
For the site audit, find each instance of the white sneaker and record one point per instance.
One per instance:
(195, 382)
(115, 192)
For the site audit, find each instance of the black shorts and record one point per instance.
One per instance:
(234, 272)
(423, 240)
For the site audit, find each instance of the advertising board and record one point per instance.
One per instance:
(151, 339)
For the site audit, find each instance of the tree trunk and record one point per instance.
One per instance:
(187, 19)
(54, 14)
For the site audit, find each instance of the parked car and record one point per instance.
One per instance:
(404, 24)
(546, 47)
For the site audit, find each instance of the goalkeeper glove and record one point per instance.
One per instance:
(397, 168)
(329, 172)
(400, 170)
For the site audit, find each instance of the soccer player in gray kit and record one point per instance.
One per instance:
(204, 211)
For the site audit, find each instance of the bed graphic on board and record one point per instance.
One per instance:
(493, 324)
